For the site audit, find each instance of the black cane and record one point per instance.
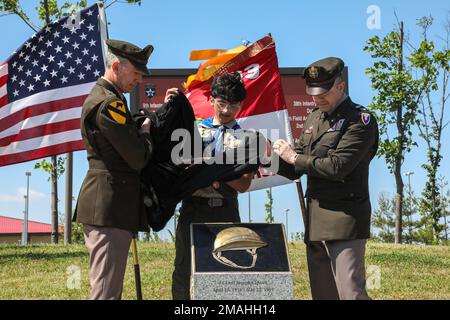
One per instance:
(301, 199)
(137, 272)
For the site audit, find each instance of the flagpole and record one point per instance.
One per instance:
(68, 210)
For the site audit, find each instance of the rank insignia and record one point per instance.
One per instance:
(337, 126)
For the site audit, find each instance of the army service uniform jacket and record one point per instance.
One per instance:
(111, 192)
(335, 151)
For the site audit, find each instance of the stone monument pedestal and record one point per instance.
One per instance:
(225, 268)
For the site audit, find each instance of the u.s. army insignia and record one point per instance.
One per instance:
(117, 111)
(313, 72)
(365, 118)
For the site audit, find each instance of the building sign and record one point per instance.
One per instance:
(150, 93)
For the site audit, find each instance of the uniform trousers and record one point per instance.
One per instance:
(336, 269)
(108, 252)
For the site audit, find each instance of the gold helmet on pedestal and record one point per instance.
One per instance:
(237, 238)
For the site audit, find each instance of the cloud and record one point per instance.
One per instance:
(19, 195)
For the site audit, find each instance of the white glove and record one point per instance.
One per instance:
(285, 151)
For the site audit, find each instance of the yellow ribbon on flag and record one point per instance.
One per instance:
(217, 58)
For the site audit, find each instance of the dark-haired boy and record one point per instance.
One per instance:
(219, 202)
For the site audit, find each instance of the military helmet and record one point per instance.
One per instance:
(237, 238)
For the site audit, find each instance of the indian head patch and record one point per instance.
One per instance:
(365, 118)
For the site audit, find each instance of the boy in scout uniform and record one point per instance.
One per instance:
(109, 204)
(338, 141)
(219, 202)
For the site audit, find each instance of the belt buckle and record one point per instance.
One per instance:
(215, 202)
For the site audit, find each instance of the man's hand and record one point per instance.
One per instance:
(242, 184)
(216, 185)
(170, 93)
(285, 151)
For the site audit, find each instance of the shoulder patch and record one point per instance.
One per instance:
(365, 118)
(117, 111)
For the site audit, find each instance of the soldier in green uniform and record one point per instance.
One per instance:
(338, 141)
(109, 204)
(219, 202)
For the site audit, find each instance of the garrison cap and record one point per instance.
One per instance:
(137, 56)
(320, 75)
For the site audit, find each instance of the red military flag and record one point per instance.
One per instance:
(44, 83)
(264, 109)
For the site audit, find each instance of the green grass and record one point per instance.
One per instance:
(40, 271)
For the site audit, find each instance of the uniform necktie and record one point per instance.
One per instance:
(218, 139)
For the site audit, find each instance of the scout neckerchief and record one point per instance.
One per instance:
(217, 139)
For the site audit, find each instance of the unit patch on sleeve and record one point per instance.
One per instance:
(365, 118)
(117, 111)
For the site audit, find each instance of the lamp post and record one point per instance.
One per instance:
(249, 209)
(25, 219)
(175, 221)
(24, 223)
(408, 174)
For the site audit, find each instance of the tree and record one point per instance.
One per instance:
(297, 236)
(384, 218)
(77, 233)
(396, 103)
(55, 169)
(154, 237)
(269, 206)
(433, 66)
(49, 10)
(411, 224)
(445, 196)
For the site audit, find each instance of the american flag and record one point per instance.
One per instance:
(44, 83)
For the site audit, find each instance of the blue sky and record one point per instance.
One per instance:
(304, 31)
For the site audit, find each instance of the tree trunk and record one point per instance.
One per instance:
(399, 157)
(398, 204)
